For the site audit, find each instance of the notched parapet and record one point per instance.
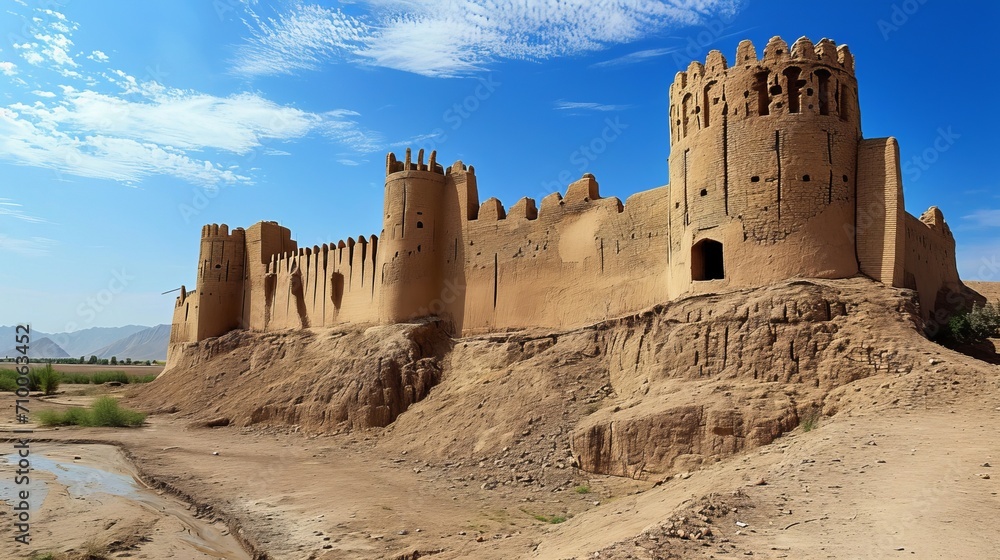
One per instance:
(550, 203)
(492, 210)
(524, 209)
(715, 63)
(934, 219)
(746, 53)
(392, 165)
(776, 50)
(221, 230)
(583, 190)
(826, 52)
(804, 49)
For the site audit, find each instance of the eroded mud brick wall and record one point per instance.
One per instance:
(575, 260)
(930, 261)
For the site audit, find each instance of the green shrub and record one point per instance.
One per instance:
(105, 412)
(8, 380)
(48, 379)
(810, 422)
(142, 378)
(550, 518)
(76, 416)
(76, 378)
(976, 325)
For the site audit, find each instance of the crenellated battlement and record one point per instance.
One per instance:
(806, 80)
(578, 194)
(392, 165)
(221, 230)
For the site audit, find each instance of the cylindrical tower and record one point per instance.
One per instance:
(408, 257)
(763, 158)
(220, 280)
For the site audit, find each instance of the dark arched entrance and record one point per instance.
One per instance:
(706, 261)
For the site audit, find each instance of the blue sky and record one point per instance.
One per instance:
(125, 126)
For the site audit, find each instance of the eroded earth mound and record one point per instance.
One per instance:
(646, 395)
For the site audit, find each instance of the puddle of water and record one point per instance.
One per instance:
(82, 481)
(36, 487)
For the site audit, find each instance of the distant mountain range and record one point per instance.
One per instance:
(131, 341)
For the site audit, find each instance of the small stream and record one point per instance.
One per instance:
(83, 481)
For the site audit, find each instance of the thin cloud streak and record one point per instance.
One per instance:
(577, 106)
(456, 38)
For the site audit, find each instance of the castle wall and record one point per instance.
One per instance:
(879, 229)
(930, 260)
(575, 261)
(184, 324)
(323, 285)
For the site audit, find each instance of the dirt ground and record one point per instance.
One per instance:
(915, 481)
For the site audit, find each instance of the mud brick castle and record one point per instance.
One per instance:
(769, 179)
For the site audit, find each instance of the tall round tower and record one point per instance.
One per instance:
(409, 264)
(220, 281)
(763, 158)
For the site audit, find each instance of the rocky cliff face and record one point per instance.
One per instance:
(710, 376)
(352, 378)
(697, 380)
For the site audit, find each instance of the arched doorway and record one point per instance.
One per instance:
(706, 261)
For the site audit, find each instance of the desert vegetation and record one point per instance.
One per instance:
(48, 380)
(105, 412)
(973, 326)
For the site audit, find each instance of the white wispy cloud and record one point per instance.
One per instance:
(634, 58)
(15, 210)
(577, 106)
(985, 218)
(454, 38)
(129, 129)
(8, 68)
(416, 140)
(30, 247)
